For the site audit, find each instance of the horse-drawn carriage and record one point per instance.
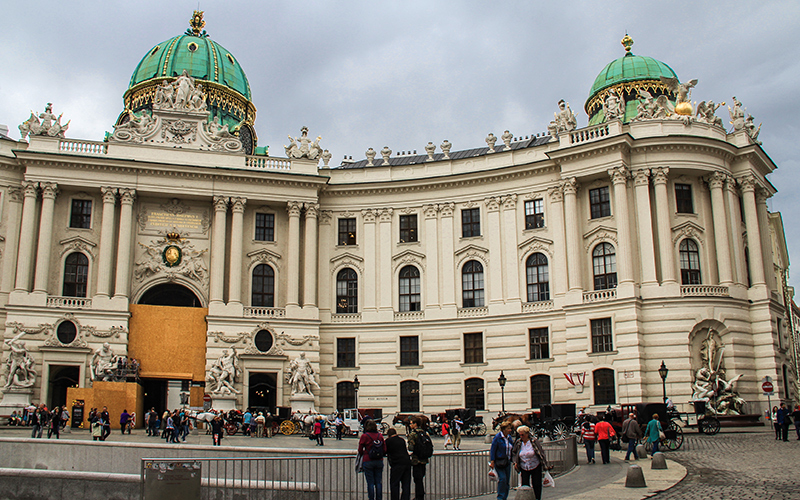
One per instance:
(555, 421)
(644, 413)
(354, 420)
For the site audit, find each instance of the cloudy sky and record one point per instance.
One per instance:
(401, 73)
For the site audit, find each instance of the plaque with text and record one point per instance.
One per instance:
(157, 219)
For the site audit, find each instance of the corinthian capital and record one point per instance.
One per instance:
(49, 190)
(492, 203)
(641, 177)
(509, 202)
(556, 194)
(312, 210)
(221, 203)
(109, 194)
(717, 180)
(619, 175)
(294, 208)
(127, 196)
(237, 204)
(748, 183)
(660, 175)
(570, 186)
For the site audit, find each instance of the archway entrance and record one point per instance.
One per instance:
(171, 295)
(263, 391)
(61, 377)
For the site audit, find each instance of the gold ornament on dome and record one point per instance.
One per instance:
(627, 42)
(197, 23)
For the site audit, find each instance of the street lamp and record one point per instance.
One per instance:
(356, 384)
(663, 371)
(502, 381)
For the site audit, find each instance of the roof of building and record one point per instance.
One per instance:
(629, 68)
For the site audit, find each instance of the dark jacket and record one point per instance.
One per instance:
(396, 451)
(498, 449)
(412, 442)
(632, 429)
(537, 448)
(365, 443)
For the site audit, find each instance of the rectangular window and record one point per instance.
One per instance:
(409, 351)
(534, 214)
(473, 348)
(599, 202)
(683, 199)
(540, 347)
(81, 216)
(470, 222)
(346, 353)
(347, 232)
(601, 335)
(408, 228)
(265, 227)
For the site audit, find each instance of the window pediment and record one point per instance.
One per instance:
(688, 229)
(77, 243)
(599, 234)
(263, 256)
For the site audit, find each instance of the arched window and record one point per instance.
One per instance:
(409, 289)
(263, 293)
(604, 393)
(409, 396)
(345, 395)
(473, 393)
(472, 284)
(604, 262)
(540, 391)
(76, 273)
(690, 262)
(346, 291)
(538, 278)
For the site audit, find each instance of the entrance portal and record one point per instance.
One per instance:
(263, 390)
(61, 377)
(155, 394)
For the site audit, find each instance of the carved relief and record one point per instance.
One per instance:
(687, 230)
(347, 260)
(326, 216)
(408, 257)
(172, 257)
(263, 256)
(386, 214)
(556, 194)
(472, 252)
(369, 215)
(78, 341)
(509, 202)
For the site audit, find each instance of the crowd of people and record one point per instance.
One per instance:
(782, 419)
(40, 418)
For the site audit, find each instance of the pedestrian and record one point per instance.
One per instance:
(247, 419)
(605, 432)
(455, 431)
(446, 434)
(775, 425)
(318, 429)
(44, 419)
(64, 417)
(631, 433)
(796, 417)
(784, 421)
(260, 421)
(372, 448)
(653, 433)
(55, 423)
(164, 418)
(529, 460)
(400, 464)
(217, 430)
(339, 423)
(169, 431)
(131, 422)
(97, 427)
(500, 458)
(184, 428)
(152, 422)
(268, 429)
(124, 417)
(33, 417)
(106, 423)
(589, 438)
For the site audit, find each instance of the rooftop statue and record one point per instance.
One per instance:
(303, 147)
(223, 373)
(706, 113)
(650, 108)
(180, 94)
(737, 114)
(750, 128)
(614, 106)
(683, 91)
(565, 120)
(21, 372)
(50, 124)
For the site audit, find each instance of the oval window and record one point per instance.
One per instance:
(263, 341)
(192, 47)
(66, 332)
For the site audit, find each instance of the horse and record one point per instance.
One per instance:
(405, 419)
(525, 418)
(206, 417)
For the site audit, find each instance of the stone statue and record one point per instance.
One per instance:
(217, 130)
(314, 149)
(302, 376)
(164, 96)
(750, 128)
(614, 106)
(103, 364)
(21, 372)
(491, 140)
(737, 114)
(430, 149)
(446, 149)
(302, 147)
(50, 124)
(565, 119)
(370, 157)
(710, 384)
(197, 101)
(386, 153)
(223, 373)
(706, 113)
(507, 137)
(683, 92)
(649, 108)
(184, 88)
(326, 157)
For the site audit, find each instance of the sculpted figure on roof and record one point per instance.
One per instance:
(303, 147)
(565, 120)
(614, 107)
(50, 124)
(706, 113)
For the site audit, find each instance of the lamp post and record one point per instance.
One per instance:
(356, 384)
(502, 381)
(663, 371)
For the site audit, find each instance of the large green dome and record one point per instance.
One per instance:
(627, 75)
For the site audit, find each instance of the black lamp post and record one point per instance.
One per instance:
(502, 381)
(663, 371)
(356, 384)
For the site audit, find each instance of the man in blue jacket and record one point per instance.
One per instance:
(500, 458)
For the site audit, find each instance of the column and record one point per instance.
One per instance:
(25, 255)
(766, 241)
(748, 184)
(735, 228)
(370, 261)
(645, 225)
(558, 266)
(217, 277)
(12, 238)
(126, 197)
(448, 272)
(385, 288)
(310, 258)
(619, 177)
(106, 256)
(495, 270)
(665, 249)
(49, 193)
(573, 235)
(716, 181)
(511, 266)
(237, 237)
(293, 257)
(431, 236)
(325, 293)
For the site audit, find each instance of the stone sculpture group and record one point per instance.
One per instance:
(302, 376)
(710, 384)
(50, 124)
(303, 147)
(223, 373)
(21, 372)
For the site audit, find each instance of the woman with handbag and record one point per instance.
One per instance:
(500, 458)
(654, 433)
(529, 460)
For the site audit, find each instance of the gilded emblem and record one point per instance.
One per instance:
(172, 255)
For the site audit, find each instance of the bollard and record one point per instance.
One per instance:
(659, 461)
(524, 493)
(635, 478)
(641, 451)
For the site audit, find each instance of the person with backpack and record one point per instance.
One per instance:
(372, 449)
(400, 463)
(421, 448)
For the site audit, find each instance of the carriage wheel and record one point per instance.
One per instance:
(480, 429)
(674, 437)
(384, 427)
(287, 428)
(710, 425)
(540, 432)
(560, 431)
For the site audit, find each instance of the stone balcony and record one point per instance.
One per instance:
(264, 312)
(704, 291)
(69, 302)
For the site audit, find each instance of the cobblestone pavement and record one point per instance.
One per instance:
(737, 465)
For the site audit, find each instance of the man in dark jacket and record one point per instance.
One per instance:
(106, 423)
(784, 421)
(418, 464)
(400, 462)
(633, 433)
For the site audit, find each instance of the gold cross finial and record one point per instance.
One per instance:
(196, 23)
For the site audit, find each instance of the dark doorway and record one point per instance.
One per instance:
(61, 377)
(170, 294)
(155, 394)
(262, 392)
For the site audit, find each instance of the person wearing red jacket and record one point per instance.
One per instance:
(604, 432)
(589, 437)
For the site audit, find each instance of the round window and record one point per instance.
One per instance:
(263, 341)
(192, 47)
(66, 332)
